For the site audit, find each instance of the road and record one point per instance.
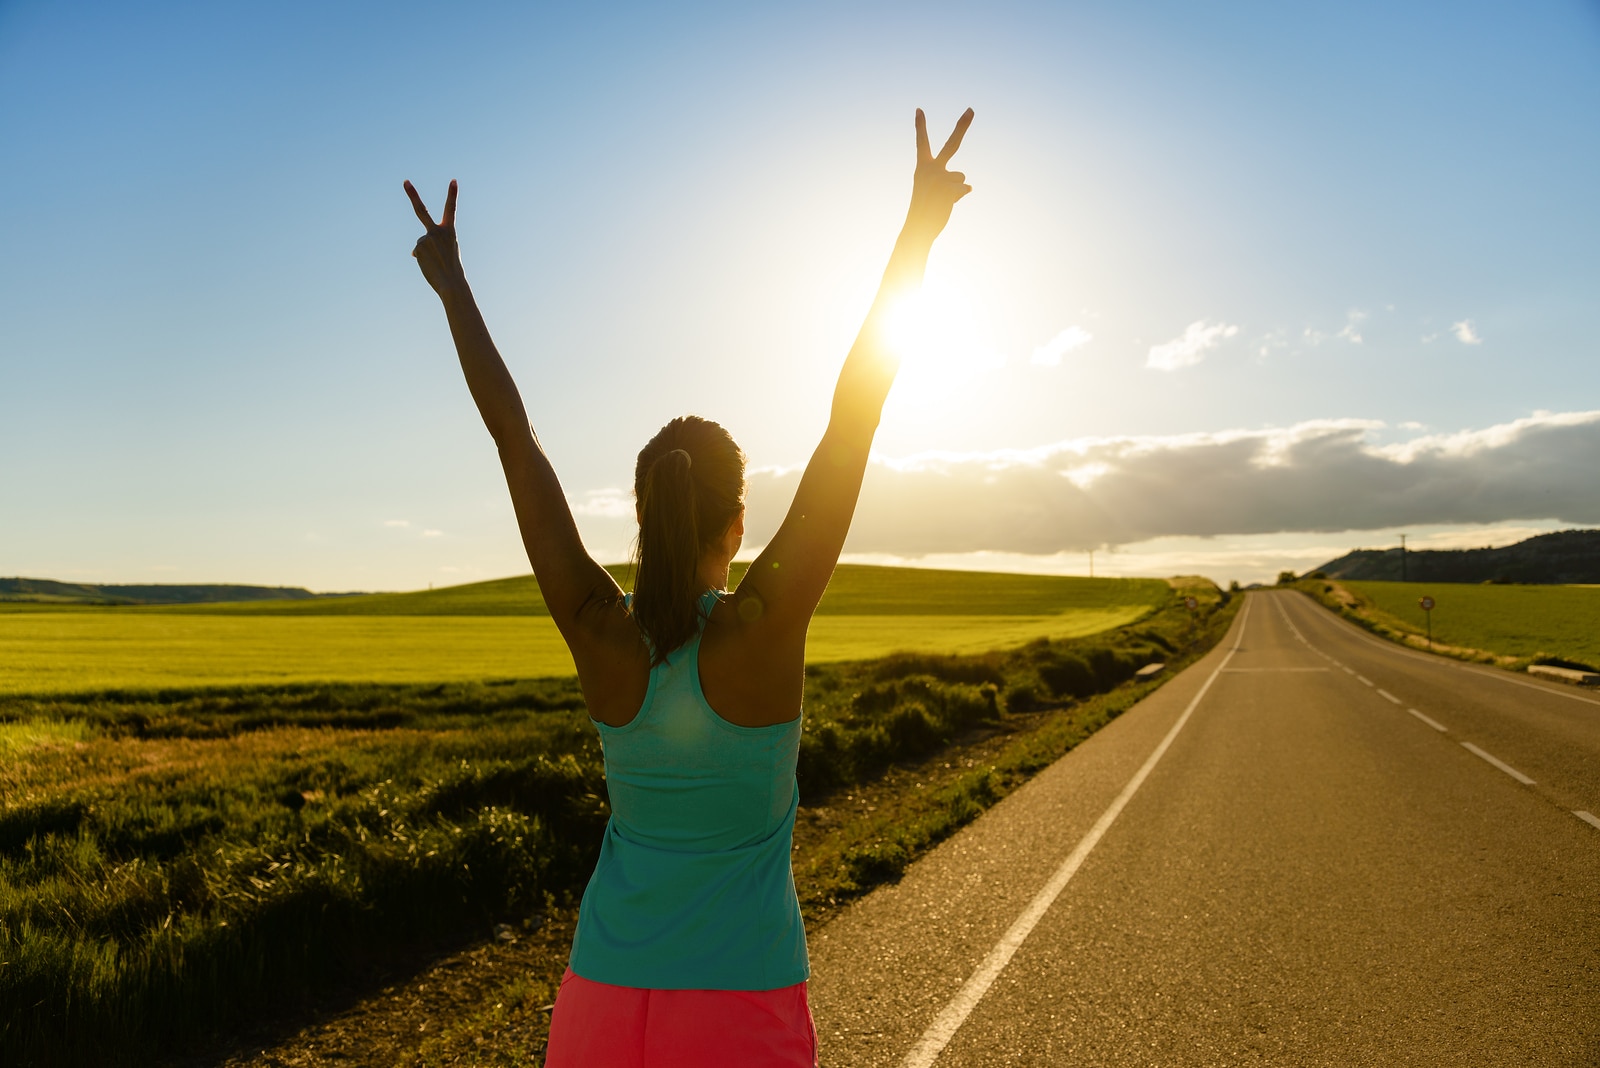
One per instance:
(1278, 858)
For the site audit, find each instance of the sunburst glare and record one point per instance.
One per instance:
(942, 337)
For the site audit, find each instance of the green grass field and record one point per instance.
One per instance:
(501, 630)
(175, 863)
(1517, 621)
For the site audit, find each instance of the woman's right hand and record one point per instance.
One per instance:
(436, 252)
(935, 188)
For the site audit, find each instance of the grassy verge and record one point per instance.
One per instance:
(1506, 626)
(176, 863)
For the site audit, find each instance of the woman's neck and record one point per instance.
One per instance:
(714, 573)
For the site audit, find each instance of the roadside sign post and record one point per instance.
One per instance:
(1191, 604)
(1426, 604)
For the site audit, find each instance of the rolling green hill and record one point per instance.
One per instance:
(855, 590)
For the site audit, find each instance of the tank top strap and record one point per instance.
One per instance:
(690, 650)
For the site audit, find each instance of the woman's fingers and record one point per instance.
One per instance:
(954, 143)
(418, 207)
(449, 219)
(923, 150)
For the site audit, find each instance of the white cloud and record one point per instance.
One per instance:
(397, 522)
(1352, 326)
(1049, 354)
(432, 533)
(1466, 333)
(1245, 557)
(1325, 475)
(1190, 348)
(608, 503)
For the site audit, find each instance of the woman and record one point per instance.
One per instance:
(690, 947)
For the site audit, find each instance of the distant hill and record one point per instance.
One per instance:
(49, 591)
(1567, 556)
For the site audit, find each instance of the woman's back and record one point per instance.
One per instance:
(693, 887)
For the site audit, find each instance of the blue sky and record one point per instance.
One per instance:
(1327, 242)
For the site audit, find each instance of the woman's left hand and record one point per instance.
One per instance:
(436, 252)
(935, 188)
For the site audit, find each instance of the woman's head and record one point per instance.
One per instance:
(689, 484)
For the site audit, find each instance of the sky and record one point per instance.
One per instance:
(1239, 286)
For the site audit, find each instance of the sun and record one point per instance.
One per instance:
(942, 337)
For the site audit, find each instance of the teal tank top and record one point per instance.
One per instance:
(693, 889)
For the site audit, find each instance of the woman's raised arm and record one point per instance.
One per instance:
(787, 580)
(567, 576)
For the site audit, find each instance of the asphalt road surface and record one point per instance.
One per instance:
(1311, 848)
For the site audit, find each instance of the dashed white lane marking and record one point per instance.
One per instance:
(952, 1016)
(1587, 817)
(1365, 681)
(1502, 765)
(1435, 724)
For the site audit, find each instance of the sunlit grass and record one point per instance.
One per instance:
(97, 650)
(499, 630)
(834, 638)
(19, 738)
(1518, 621)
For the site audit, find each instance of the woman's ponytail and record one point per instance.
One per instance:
(689, 482)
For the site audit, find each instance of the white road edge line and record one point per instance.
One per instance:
(953, 1015)
(1390, 696)
(1435, 724)
(1502, 765)
(1587, 817)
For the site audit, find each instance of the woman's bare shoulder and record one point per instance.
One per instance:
(751, 673)
(613, 662)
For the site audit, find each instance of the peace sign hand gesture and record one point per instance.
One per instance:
(436, 252)
(935, 189)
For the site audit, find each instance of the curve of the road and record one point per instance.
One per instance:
(1312, 847)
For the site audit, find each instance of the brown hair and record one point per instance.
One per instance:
(689, 483)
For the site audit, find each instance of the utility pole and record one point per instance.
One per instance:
(1402, 558)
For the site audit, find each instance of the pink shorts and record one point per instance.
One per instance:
(597, 1025)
